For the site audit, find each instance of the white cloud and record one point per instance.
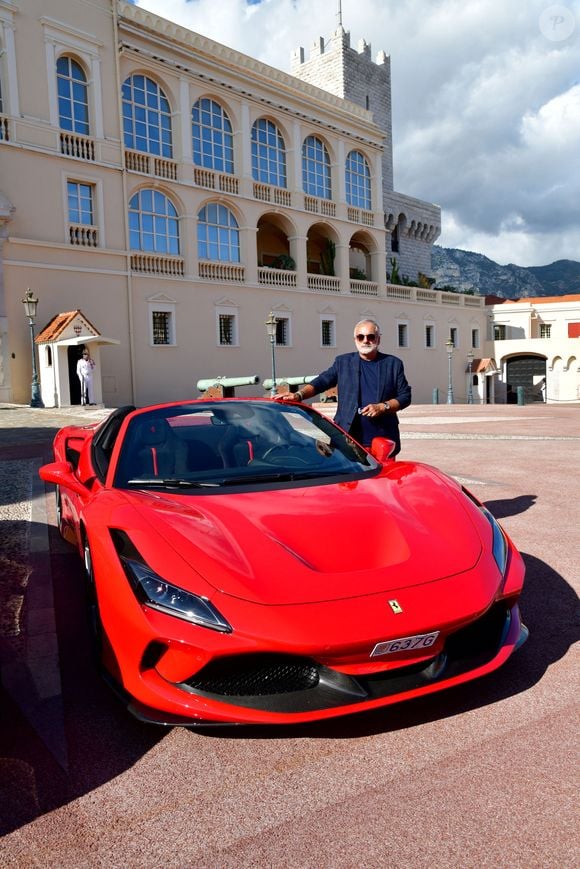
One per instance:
(486, 105)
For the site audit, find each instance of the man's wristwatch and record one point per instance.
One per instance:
(298, 395)
(386, 405)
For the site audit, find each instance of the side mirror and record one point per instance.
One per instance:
(382, 449)
(61, 474)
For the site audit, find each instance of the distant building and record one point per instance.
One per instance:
(168, 192)
(537, 347)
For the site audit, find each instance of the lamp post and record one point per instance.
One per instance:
(470, 381)
(30, 303)
(271, 324)
(449, 345)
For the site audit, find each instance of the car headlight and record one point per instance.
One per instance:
(499, 546)
(158, 594)
(154, 591)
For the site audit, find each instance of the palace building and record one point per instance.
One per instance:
(162, 194)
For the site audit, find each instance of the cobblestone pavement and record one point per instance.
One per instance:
(83, 784)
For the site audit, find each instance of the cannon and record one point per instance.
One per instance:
(293, 383)
(215, 387)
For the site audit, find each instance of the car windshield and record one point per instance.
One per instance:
(206, 447)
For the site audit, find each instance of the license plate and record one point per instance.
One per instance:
(405, 644)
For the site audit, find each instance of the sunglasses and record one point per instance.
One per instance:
(371, 337)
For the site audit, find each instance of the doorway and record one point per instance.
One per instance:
(526, 371)
(74, 353)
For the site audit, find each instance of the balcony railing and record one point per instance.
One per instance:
(276, 277)
(319, 206)
(359, 215)
(269, 193)
(149, 164)
(165, 168)
(216, 271)
(323, 283)
(393, 291)
(157, 264)
(364, 288)
(83, 236)
(215, 180)
(73, 145)
(426, 295)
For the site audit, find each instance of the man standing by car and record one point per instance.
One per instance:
(372, 387)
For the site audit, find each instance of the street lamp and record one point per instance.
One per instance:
(271, 324)
(30, 303)
(470, 381)
(449, 344)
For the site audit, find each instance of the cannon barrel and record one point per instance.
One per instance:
(291, 381)
(227, 382)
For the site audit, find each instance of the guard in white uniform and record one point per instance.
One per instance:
(85, 367)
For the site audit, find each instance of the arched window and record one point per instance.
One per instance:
(218, 236)
(315, 168)
(153, 223)
(73, 104)
(358, 181)
(268, 154)
(211, 130)
(146, 117)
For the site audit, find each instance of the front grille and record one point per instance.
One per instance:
(255, 676)
(285, 683)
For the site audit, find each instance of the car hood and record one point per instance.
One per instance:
(407, 526)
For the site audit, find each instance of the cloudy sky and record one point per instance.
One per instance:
(486, 104)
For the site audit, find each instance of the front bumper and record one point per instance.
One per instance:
(268, 688)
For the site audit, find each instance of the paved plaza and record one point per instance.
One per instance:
(484, 775)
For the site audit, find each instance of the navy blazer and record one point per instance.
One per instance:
(392, 383)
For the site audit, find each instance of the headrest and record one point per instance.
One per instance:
(154, 432)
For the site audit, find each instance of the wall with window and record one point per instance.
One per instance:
(181, 196)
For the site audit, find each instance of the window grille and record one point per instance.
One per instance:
(161, 327)
(226, 329)
(328, 333)
(403, 335)
(281, 331)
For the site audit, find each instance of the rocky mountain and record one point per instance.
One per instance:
(466, 270)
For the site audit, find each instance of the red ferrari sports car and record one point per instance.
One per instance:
(248, 562)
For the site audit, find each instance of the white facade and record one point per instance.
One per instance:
(539, 339)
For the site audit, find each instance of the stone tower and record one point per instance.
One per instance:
(352, 75)
(412, 224)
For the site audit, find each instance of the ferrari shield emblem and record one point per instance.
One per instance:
(395, 606)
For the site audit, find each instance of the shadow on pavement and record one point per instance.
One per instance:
(510, 506)
(101, 738)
